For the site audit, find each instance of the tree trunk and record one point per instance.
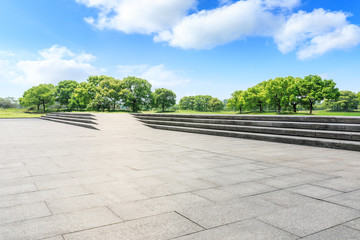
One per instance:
(43, 106)
(38, 107)
(240, 110)
(294, 107)
(163, 108)
(279, 109)
(261, 109)
(311, 107)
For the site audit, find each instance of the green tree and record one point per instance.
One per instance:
(255, 97)
(348, 101)
(136, 93)
(201, 103)
(294, 93)
(187, 103)
(43, 94)
(215, 105)
(107, 93)
(278, 92)
(82, 96)
(237, 101)
(64, 90)
(314, 89)
(164, 98)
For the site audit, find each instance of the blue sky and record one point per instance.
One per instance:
(190, 46)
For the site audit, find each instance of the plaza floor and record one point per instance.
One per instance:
(128, 181)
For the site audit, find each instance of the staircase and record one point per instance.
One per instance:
(86, 120)
(317, 131)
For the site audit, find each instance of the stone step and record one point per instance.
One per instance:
(66, 118)
(285, 118)
(72, 116)
(350, 136)
(69, 122)
(316, 142)
(275, 124)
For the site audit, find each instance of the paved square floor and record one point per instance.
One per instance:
(128, 181)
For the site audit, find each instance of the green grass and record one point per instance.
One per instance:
(18, 113)
(317, 113)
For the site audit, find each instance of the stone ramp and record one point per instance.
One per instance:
(318, 131)
(86, 120)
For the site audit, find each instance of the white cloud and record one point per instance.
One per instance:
(6, 54)
(310, 34)
(158, 76)
(207, 29)
(57, 63)
(138, 16)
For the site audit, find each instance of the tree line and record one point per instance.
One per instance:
(287, 94)
(99, 93)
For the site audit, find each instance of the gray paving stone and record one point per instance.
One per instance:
(354, 224)
(217, 214)
(153, 206)
(310, 218)
(351, 199)
(340, 184)
(244, 230)
(285, 198)
(244, 176)
(77, 203)
(45, 195)
(58, 224)
(29, 187)
(335, 233)
(23, 212)
(234, 191)
(313, 191)
(164, 226)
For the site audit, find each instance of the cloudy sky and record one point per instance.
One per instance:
(190, 46)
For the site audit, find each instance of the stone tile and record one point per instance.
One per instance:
(285, 198)
(58, 224)
(351, 199)
(77, 203)
(234, 191)
(244, 230)
(7, 190)
(164, 226)
(278, 171)
(294, 179)
(354, 224)
(23, 212)
(153, 206)
(54, 238)
(313, 191)
(310, 218)
(244, 176)
(335, 233)
(217, 214)
(340, 184)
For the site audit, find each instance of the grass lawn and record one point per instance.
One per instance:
(18, 113)
(317, 113)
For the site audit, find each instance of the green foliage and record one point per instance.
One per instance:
(348, 101)
(187, 103)
(255, 97)
(9, 102)
(136, 93)
(107, 93)
(313, 89)
(278, 92)
(43, 94)
(237, 101)
(215, 105)
(64, 90)
(164, 98)
(82, 95)
(201, 103)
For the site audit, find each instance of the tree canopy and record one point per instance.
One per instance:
(164, 98)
